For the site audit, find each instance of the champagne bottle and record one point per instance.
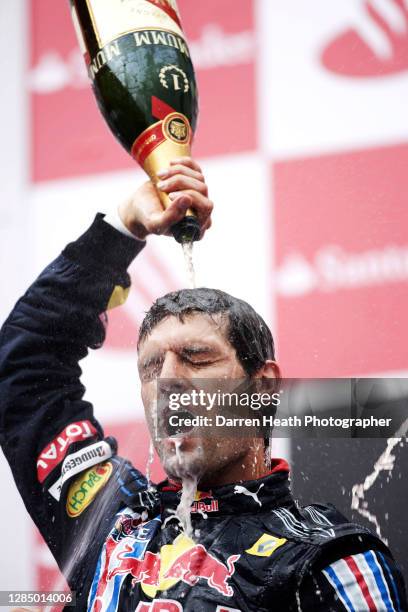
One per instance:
(143, 79)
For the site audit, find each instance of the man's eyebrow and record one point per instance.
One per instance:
(148, 361)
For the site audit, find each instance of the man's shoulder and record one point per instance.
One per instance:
(321, 531)
(317, 543)
(314, 523)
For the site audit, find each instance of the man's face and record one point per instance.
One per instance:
(196, 348)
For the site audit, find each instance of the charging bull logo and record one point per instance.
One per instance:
(183, 560)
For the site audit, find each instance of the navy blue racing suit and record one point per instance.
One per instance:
(116, 540)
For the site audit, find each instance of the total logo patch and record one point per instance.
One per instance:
(55, 451)
(84, 489)
(266, 545)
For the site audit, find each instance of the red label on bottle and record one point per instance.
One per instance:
(147, 142)
(175, 128)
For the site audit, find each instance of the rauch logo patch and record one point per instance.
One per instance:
(85, 488)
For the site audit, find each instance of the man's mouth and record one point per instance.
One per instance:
(177, 426)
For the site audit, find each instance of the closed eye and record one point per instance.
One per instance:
(199, 364)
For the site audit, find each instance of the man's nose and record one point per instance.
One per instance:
(172, 367)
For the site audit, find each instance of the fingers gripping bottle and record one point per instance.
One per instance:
(143, 80)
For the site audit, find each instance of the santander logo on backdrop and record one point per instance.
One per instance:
(332, 269)
(375, 44)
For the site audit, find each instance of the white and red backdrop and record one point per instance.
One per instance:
(303, 136)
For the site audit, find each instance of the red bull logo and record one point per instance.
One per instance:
(144, 570)
(198, 563)
(204, 502)
(183, 560)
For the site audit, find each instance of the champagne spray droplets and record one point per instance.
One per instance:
(385, 463)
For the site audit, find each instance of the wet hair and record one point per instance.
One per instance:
(245, 329)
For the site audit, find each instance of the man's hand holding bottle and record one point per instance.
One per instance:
(143, 213)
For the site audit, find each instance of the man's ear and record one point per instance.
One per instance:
(270, 369)
(268, 377)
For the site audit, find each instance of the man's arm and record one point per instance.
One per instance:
(44, 422)
(367, 581)
(43, 415)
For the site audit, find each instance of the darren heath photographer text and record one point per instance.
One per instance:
(219, 420)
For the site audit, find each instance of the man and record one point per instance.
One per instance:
(117, 540)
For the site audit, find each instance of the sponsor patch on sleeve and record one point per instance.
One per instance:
(55, 451)
(78, 462)
(84, 489)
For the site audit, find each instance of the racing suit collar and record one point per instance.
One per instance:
(245, 496)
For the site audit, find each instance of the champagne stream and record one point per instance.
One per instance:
(189, 263)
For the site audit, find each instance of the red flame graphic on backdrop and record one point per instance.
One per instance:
(350, 54)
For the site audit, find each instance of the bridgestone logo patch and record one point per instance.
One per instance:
(78, 462)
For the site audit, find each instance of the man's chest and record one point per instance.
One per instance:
(146, 568)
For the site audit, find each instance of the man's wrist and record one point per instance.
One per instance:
(115, 220)
(126, 215)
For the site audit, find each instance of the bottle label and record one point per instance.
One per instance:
(162, 142)
(175, 128)
(114, 18)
